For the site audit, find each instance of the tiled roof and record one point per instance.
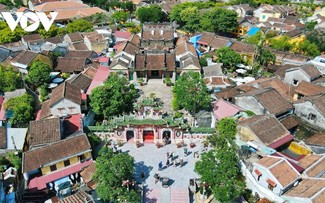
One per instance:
(67, 91)
(90, 71)
(318, 101)
(155, 61)
(282, 70)
(206, 37)
(80, 54)
(130, 48)
(213, 70)
(25, 57)
(309, 89)
(38, 157)
(3, 138)
(53, 6)
(233, 92)
(266, 127)
(307, 188)
(280, 169)
(87, 175)
(157, 32)
(81, 81)
(223, 109)
(272, 101)
(317, 139)
(45, 111)
(79, 197)
(317, 170)
(189, 59)
(218, 42)
(79, 46)
(70, 64)
(311, 70)
(122, 34)
(308, 160)
(282, 88)
(54, 40)
(78, 12)
(320, 198)
(33, 38)
(44, 131)
(242, 47)
(184, 48)
(75, 37)
(94, 37)
(217, 80)
(290, 122)
(134, 39)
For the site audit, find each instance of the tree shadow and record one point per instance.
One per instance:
(148, 199)
(139, 168)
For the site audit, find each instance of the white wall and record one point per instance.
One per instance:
(65, 104)
(295, 75)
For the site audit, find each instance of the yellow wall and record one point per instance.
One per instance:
(44, 59)
(298, 149)
(245, 134)
(241, 30)
(247, 57)
(60, 165)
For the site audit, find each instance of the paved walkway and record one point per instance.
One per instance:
(147, 158)
(161, 90)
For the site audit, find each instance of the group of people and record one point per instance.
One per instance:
(171, 159)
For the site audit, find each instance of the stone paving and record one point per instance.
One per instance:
(147, 158)
(161, 90)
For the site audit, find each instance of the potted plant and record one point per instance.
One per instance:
(158, 145)
(168, 81)
(141, 81)
(180, 144)
(138, 144)
(192, 145)
(120, 143)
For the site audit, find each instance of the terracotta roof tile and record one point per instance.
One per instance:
(44, 131)
(25, 57)
(184, 48)
(309, 89)
(91, 70)
(77, 12)
(54, 40)
(67, 91)
(320, 198)
(75, 37)
(79, 197)
(284, 173)
(33, 38)
(243, 47)
(272, 101)
(3, 138)
(79, 46)
(311, 70)
(134, 39)
(81, 54)
(170, 61)
(53, 6)
(308, 160)
(268, 161)
(38, 157)
(234, 91)
(317, 169)
(317, 139)
(306, 188)
(140, 60)
(318, 101)
(81, 81)
(45, 111)
(88, 172)
(207, 37)
(155, 61)
(157, 32)
(218, 42)
(290, 122)
(70, 64)
(266, 127)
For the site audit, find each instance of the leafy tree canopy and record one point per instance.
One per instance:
(120, 16)
(9, 79)
(227, 127)
(6, 35)
(191, 93)
(281, 43)
(111, 171)
(266, 57)
(229, 58)
(22, 107)
(38, 74)
(52, 32)
(79, 25)
(113, 98)
(223, 20)
(317, 37)
(190, 16)
(153, 13)
(254, 39)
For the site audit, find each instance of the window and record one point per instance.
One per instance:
(270, 187)
(259, 177)
(271, 184)
(53, 167)
(82, 158)
(66, 163)
(60, 109)
(311, 116)
(71, 109)
(295, 82)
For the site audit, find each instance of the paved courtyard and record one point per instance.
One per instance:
(161, 90)
(147, 158)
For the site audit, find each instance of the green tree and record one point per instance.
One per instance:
(223, 20)
(254, 39)
(52, 32)
(227, 127)
(111, 171)
(14, 159)
(229, 58)
(281, 43)
(152, 13)
(191, 18)
(39, 74)
(6, 35)
(79, 25)
(317, 37)
(113, 98)
(308, 48)
(265, 57)
(120, 16)
(22, 108)
(9, 79)
(191, 93)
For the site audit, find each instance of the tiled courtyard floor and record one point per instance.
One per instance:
(147, 158)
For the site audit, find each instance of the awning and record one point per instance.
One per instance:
(40, 182)
(281, 141)
(257, 172)
(204, 43)
(271, 182)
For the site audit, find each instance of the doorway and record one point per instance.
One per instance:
(148, 135)
(129, 135)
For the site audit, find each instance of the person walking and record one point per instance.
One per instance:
(167, 163)
(175, 163)
(160, 165)
(185, 151)
(181, 161)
